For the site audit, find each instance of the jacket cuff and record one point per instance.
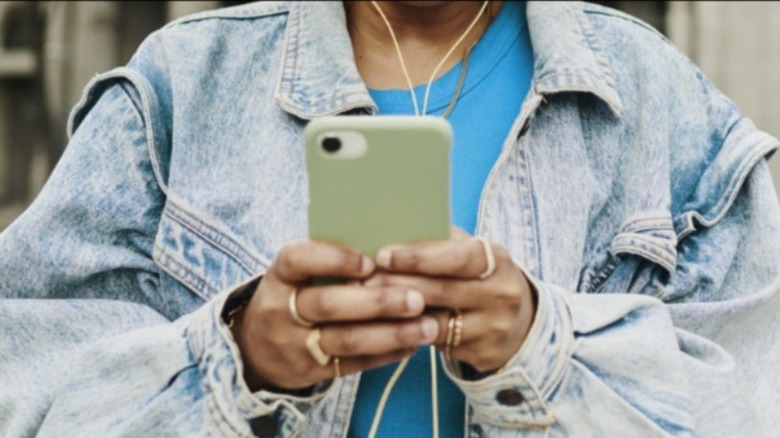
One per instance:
(517, 394)
(228, 396)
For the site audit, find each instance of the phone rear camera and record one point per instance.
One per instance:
(331, 144)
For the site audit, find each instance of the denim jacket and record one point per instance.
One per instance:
(631, 191)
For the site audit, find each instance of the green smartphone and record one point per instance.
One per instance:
(375, 181)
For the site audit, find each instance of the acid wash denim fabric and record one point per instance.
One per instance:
(631, 191)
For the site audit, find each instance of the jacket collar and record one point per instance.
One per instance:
(318, 76)
(567, 53)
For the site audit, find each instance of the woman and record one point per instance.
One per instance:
(590, 153)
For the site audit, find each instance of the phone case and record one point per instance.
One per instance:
(396, 192)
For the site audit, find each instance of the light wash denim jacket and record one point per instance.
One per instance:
(633, 193)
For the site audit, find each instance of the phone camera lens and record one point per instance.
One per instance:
(331, 144)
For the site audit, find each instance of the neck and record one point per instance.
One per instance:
(425, 34)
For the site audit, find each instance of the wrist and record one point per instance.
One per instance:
(236, 316)
(233, 314)
(237, 324)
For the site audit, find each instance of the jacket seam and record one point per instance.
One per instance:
(216, 411)
(601, 274)
(728, 195)
(138, 110)
(587, 8)
(327, 111)
(636, 236)
(602, 59)
(202, 229)
(286, 86)
(561, 365)
(282, 63)
(342, 390)
(647, 223)
(136, 80)
(165, 258)
(224, 422)
(194, 229)
(229, 13)
(740, 175)
(642, 239)
(290, 53)
(638, 251)
(543, 89)
(526, 149)
(585, 369)
(554, 74)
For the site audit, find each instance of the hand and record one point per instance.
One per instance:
(364, 326)
(497, 311)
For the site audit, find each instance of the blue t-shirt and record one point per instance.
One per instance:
(497, 80)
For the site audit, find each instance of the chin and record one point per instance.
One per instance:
(424, 3)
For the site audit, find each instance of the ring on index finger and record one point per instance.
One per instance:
(293, 305)
(490, 258)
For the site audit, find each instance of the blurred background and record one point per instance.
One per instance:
(50, 49)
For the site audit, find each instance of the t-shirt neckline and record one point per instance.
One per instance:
(500, 36)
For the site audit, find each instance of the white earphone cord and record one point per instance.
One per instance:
(401, 366)
(438, 67)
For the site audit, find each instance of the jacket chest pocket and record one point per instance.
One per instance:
(641, 254)
(202, 257)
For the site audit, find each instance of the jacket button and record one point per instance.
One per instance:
(264, 426)
(509, 397)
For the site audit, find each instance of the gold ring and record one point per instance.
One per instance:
(450, 336)
(337, 367)
(490, 258)
(458, 330)
(294, 310)
(313, 345)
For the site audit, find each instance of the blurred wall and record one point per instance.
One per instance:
(50, 49)
(737, 45)
(22, 132)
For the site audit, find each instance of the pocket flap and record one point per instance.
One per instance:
(201, 256)
(652, 238)
(645, 241)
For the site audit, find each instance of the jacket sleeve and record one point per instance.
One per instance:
(87, 346)
(634, 365)
(692, 352)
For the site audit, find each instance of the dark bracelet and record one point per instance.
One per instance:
(236, 302)
(231, 315)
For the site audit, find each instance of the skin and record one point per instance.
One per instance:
(425, 30)
(382, 316)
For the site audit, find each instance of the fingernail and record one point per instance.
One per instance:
(384, 257)
(366, 265)
(430, 329)
(414, 301)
